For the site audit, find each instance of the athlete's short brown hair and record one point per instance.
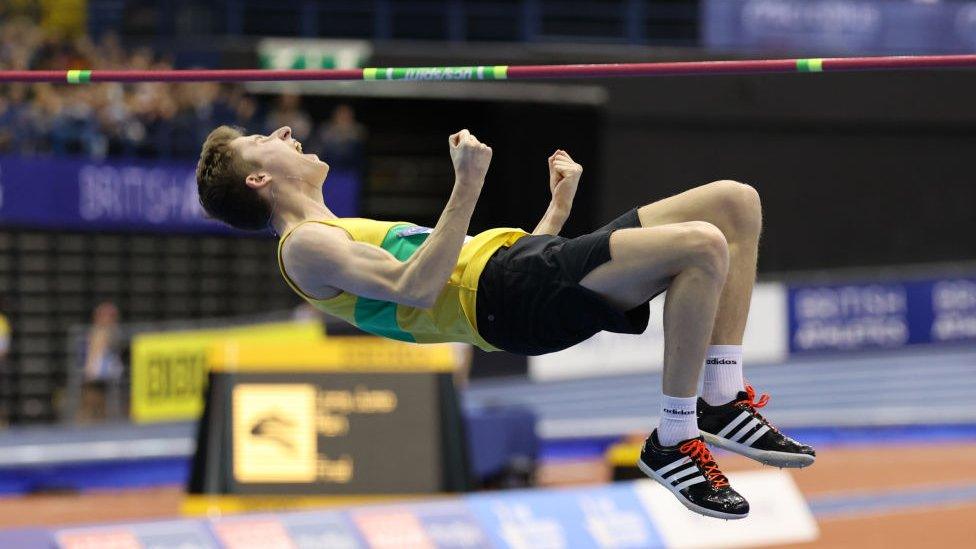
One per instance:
(221, 172)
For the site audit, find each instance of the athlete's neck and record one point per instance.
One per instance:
(289, 208)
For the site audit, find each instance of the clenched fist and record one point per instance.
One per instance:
(564, 176)
(470, 157)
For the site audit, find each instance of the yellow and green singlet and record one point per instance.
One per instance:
(452, 318)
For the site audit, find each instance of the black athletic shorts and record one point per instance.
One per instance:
(530, 301)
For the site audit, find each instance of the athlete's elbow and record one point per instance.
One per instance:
(417, 289)
(417, 297)
(420, 302)
(426, 300)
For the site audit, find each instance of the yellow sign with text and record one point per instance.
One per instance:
(169, 369)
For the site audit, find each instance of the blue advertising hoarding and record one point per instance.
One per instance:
(612, 516)
(840, 27)
(448, 524)
(850, 317)
(603, 516)
(311, 530)
(624, 514)
(84, 195)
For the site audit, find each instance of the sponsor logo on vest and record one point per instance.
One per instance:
(412, 230)
(721, 361)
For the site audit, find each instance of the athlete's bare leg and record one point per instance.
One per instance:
(640, 267)
(691, 260)
(735, 209)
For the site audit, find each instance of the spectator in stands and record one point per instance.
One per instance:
(112, 53)
(16, 8)
(341, 139)
(5, 382)
(288, 112)
(245, 109)
(7, 117)
(74, 129)
(14, 118)
(101, 395)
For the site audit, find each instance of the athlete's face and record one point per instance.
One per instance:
(281, 157)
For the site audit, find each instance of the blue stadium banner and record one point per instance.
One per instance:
(850, 317)
(83, 195)
(840, 27)
(638, 514)
(612, 516)
(310, 530)
(449, 524)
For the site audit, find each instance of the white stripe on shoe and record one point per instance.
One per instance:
(734, 423)
(769, 457)
(743, 433)
(755, 436)
(681, 473)
(673, 465)
(690, 482)
(683, 499)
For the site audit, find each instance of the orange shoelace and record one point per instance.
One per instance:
(751, 401)
(696, 450)
(753, 404)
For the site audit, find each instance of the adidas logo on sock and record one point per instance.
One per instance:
(721, 361)
(679, 412)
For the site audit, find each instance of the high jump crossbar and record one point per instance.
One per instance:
(505, 72)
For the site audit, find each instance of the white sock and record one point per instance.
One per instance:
(679, 420)
(722, 380)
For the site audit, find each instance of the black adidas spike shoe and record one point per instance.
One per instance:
(737, 426)
(691, 474)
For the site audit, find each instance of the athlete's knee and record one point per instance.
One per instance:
(706, 247)
(741, 205)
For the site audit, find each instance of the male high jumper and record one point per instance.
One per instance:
(533, 293)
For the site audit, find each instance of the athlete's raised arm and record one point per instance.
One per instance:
(564, 176)
(321, 260)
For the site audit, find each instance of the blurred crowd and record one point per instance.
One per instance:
(149, 120)
(145, 119)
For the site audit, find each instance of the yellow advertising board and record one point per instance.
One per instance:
(169, 369)
(333, 354)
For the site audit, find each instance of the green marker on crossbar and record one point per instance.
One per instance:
(79, 76)
(494, 72)
(809, 65)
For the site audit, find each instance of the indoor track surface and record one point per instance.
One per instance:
(899, 480)
(913, 387)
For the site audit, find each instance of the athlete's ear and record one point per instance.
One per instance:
(257, 180)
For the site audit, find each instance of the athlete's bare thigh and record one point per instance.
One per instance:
(644, 260)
